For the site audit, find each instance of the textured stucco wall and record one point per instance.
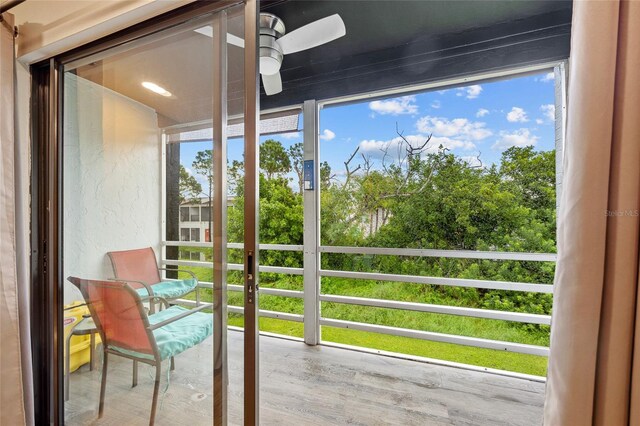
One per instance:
(112, 162)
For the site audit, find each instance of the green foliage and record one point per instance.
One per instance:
(296, 154)
(274, 159)
(426, 201)
(189, 187)
(203, 165)
(441, 202)
(280, 221)
(280, 209)
(325, 175)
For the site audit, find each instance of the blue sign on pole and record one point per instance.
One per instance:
(308, 174)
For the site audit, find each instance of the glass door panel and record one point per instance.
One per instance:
(144, 227)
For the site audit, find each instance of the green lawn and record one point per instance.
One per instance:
(527, 364)
(449, 324)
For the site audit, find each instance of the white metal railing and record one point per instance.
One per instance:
(460, 254)
(263, 290)
(456, 282)
(393, 304)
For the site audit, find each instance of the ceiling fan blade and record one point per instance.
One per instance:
(314, 34)
(272, 83)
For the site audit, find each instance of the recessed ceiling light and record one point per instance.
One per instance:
(155, 88)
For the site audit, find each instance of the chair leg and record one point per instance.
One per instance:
(135, 374)
(103, 383)
(173, 363)
(67, 367)
(156, 388)
(92, 349)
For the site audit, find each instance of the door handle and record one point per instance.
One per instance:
(250, 278)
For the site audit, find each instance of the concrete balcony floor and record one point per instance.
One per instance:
(304, 385)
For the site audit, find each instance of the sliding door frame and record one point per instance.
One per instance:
(46, 200)
(251, 212)
(46, 256)
(219, 234)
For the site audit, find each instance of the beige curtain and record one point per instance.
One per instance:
(15, 368)
(594, 366)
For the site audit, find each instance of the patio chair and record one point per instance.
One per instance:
(139, 268)
(127, 331)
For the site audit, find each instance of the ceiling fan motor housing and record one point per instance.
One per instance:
(271, 28)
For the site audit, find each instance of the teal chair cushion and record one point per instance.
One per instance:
(170, 289)
(176, 337)
(183, 334)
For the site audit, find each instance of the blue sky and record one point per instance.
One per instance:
(484, 119)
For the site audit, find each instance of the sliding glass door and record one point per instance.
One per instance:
(147, 178)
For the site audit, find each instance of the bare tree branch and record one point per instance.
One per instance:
(367, 164)
(348, 171)
(481, 165)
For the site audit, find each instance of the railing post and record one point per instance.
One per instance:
(311, 200)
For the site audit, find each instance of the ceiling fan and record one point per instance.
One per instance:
(274, 44)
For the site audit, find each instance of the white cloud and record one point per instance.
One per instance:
(471, 92)
(539, 121)
(517, 115)
(549, 111)
(482, 112)
(547, 77)
(442, 92)
(458, 127)
(292, 135)
(521, 137)
(395, 148)
(396, 106)
(436, 104)
(327, 135)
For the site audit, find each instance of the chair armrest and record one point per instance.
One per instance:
(145, 285)
(180, 270)
(192, 275)
(176, 318)
(161, 299)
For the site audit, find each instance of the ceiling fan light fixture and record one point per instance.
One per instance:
(156, 89)
(269, 65)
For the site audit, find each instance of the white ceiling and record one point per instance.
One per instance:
(182, 64)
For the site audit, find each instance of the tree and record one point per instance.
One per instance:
(274, 159)
(325, 175)
(531, 175)
(419, 198)
(189, 187)
(203, 165)
(235, 175)
(280, 220)
(296, 154)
